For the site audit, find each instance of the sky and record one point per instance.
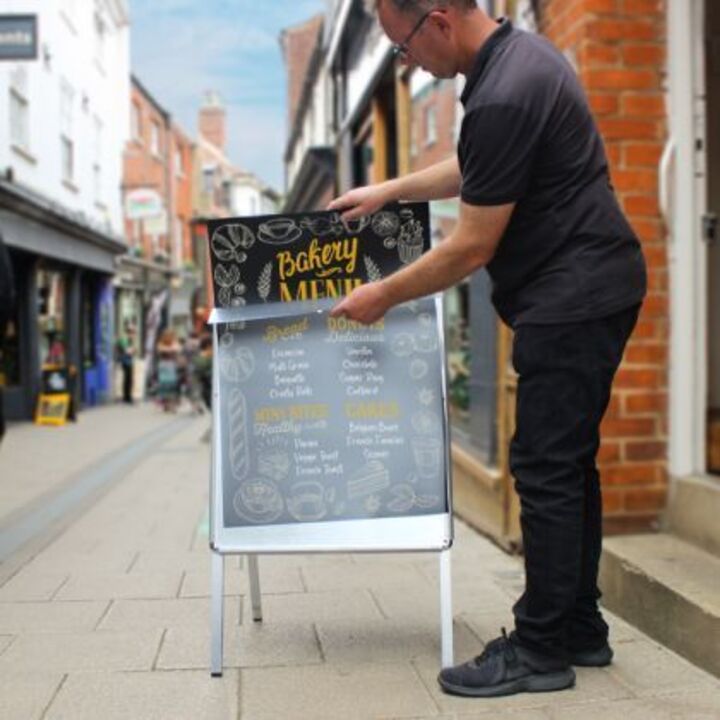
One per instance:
(182, 48)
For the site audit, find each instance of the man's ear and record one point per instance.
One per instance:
(440, 18)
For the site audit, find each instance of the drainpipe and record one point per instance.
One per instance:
(687, 374)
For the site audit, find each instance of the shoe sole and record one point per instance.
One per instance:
(545, 682)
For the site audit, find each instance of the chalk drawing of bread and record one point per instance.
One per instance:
(238, 432)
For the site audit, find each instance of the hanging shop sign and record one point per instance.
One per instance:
(18, 37)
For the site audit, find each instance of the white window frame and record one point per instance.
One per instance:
(19, 98)
(155, 138)
(67, 144)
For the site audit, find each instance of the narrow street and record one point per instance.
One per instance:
(104, 603)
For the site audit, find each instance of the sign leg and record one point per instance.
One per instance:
(255, 596)
(217, 592)
(446, 613)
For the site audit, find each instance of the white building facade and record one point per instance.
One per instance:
(64, 123)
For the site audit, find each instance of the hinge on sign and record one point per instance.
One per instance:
(709, 227)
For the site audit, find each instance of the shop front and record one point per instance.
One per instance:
(63, 270)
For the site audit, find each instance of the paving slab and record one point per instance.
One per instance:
(26, 696)
(93, 585)
(250, 645)
(147, 696)
(329, 692)
(81, 652)
(50, 617)
(162, 614)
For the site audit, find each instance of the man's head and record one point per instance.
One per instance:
(432, 33)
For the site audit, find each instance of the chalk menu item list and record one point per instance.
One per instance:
(324, 419)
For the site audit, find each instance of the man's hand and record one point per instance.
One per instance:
(361, 201)
(366, 304)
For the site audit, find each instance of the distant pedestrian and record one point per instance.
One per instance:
(168, 371)
(7, 313)
(193, 382)
(126, 358)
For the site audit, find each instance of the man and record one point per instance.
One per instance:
(7, 310)
(537, 210)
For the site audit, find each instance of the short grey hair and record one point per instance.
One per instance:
(418, 7)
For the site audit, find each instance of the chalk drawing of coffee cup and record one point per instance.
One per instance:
(258, 501)
(427, 452)
(357, 225)
(306, 502)
(279, 231)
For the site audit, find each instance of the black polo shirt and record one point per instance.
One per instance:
(528, 137)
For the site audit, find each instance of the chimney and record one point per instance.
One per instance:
(212, 120)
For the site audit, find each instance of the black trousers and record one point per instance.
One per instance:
(127, 371)
(565, 377)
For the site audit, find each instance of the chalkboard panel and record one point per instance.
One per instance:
(328, 434)
(268, 259)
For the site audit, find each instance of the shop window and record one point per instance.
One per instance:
(51, 298)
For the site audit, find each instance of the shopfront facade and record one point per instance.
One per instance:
(64, 313)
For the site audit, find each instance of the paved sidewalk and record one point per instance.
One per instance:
(111, 619)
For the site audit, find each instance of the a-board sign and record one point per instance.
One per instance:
(328, 434)
(52, 409)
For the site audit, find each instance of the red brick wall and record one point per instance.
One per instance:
(441, 96)
(298, 45)
(618, 47)
(182, 187)
(143, 168)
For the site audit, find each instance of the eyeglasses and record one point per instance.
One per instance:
(402, 49)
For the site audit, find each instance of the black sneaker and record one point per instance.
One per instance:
(600, 657)
(502, 669)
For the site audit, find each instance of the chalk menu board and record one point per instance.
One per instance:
(322, 423)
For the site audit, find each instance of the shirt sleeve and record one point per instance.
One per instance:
(497, 151)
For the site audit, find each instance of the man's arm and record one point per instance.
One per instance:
(441, 180)
(470, 246)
